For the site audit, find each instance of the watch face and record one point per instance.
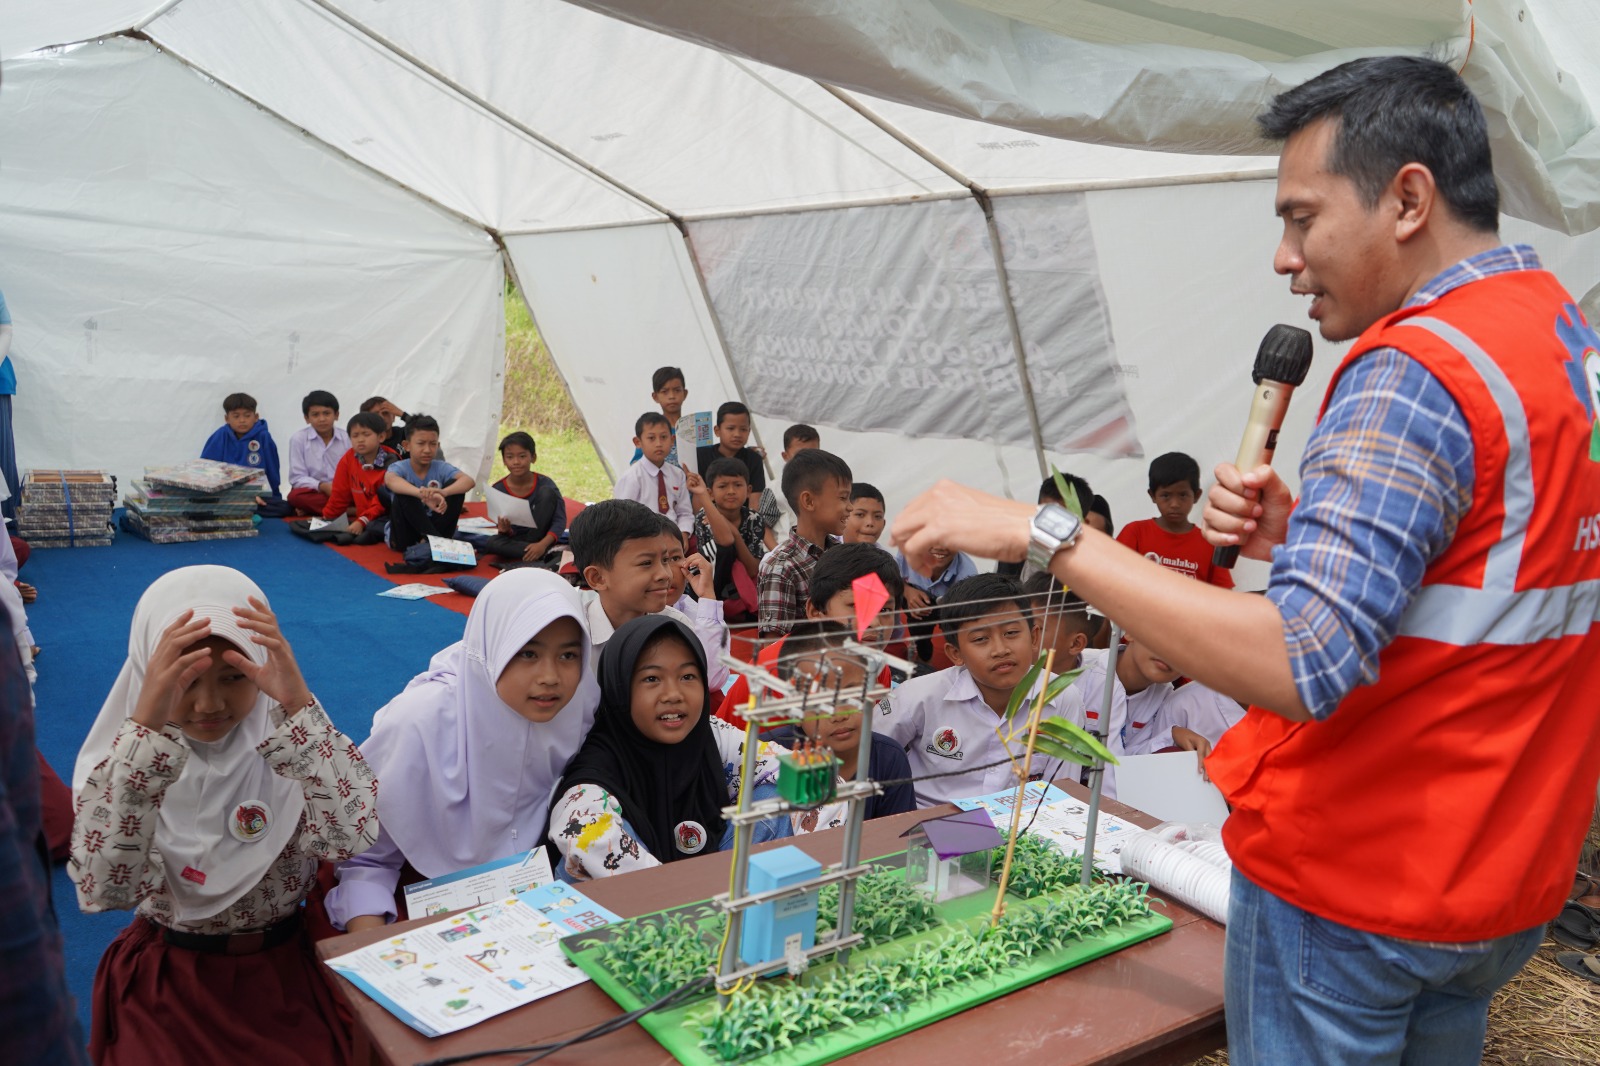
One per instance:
(1058, 522)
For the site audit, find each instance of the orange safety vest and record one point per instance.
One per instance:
(1447, 800)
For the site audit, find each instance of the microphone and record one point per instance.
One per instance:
(1282, 362)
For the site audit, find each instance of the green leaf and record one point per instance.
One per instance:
(1069, 495)
(1059, 683)
(1049, 746)
(1019, 695)
(1074, 736)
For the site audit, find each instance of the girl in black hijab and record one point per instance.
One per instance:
(649, 784)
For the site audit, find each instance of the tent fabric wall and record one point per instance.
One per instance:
(164, 244)
(607, 158)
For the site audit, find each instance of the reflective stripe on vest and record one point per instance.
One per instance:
(1497, 613)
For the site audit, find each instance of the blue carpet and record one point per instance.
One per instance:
(356, 650)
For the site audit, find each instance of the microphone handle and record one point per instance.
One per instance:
(1268, 407)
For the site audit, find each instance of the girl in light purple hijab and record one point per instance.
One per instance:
(474, 747)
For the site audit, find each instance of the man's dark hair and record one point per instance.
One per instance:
(371, 420)
(841, 564)
(1394, 110)
(421, 422)
(372, 403)
(1170, 469)
(665, 376)
(725, 467)
(519, 439)
(319, 398)
(799, 432)
(732, 407)
(600, 530)
(977, 598)
(860, 490)
(650, 418)
(238, 401)
(1049, 598)
(1048, 493)
(809, 471)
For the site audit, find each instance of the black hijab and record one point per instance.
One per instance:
(660, 786)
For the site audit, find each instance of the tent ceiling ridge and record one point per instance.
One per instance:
(163, 49)
(437, 76)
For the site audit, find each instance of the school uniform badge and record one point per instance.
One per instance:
(249, 821)
(254, 446)
(690, 837)
(946, 743)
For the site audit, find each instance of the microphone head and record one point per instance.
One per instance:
(1285, 355)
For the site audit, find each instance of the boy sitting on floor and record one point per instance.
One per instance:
(733, 434)
(521, 545)
(1170, 538)
(426, 493)
(947, 721)
(634, 566)
(817, 485)
(729, 535)
(655, 481)
(357, 487)
(314, 453)
(243, 439)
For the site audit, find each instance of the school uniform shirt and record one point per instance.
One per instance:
(438, 475)
(755, 468)
(587, 827)
(959, 568)
(355, 484)
(1191, 706)
(1186, 553)
(1090, 687)
(704, 618)
(255, 449)
(312, 462)
(945, 727)
(116, 867)
(642, 482)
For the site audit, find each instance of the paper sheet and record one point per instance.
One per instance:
(504, 505)
(475, 525)
(414, 592)
(449, 550)
(1062, 819)
(1168, 785)
(451, 974)
(338, 525)
(477, 885)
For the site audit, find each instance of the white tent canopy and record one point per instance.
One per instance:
(824, 218)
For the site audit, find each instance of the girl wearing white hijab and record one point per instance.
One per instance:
(208, 789)
(479, 741)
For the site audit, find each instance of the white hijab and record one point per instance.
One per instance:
(470, 779)
(218, 776)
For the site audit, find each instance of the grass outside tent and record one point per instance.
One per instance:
(537, 402)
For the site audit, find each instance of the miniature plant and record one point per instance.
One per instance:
(777, 1015)
(886, 907)
(655, 955)
(1038, 868)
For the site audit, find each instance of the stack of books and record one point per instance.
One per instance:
(67, 508)
(198, 499)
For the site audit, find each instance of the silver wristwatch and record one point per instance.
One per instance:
(1053, 528)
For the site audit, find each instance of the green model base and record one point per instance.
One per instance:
(679, 1030)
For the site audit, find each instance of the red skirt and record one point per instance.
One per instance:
(155, 1004)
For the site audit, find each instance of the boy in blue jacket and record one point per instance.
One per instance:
(245, 440)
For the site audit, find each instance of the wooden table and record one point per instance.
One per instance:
(1158, 1002)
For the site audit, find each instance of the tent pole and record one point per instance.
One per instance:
(981, 195)
(516, 279)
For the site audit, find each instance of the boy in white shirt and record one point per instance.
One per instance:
(947, 721)
(653, 481)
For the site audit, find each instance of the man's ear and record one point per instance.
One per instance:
(1417, 194)
(595, 577)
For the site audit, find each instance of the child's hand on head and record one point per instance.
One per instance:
(280, 676)
(701, 578)
(172, 669)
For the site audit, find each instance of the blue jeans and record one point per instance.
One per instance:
(1302, 989)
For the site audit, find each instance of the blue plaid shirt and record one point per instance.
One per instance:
(1386, 477)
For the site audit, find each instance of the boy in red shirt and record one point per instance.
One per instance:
(357, 478)
(1170, 538)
